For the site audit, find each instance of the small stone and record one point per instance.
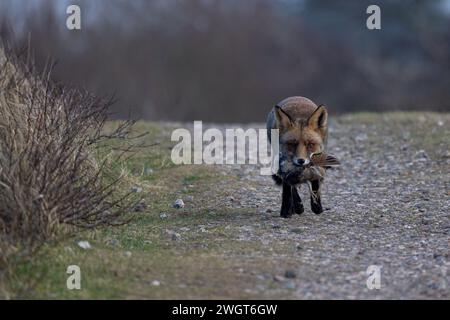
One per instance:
(156, 283)
(421, 154)
(437, 255)
(290, 274)
(141, 206)
(176, 236)
(148, 171)
(84, 245)
(173, 235)
(361, 137)
(278, 278)
(289, 285)
(136, 189)
(113, 242)
(433, 286)
(163, 216)
(127, 254)
(178, 204)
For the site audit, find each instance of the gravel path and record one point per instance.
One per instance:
(387, 205)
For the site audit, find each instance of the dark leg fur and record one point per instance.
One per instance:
(316, 204)
(277, 179)
(297, 201)
(286, 204)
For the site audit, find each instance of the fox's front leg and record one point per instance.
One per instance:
(286, 203)
(316, 204)
(297, 201)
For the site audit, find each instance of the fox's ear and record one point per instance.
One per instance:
(319, 119)
(283, 119)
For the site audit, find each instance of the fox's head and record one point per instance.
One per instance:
(299, 139)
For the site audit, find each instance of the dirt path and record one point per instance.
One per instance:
(388, 205)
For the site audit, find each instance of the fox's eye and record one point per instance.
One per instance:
(310, 145)
(291, 144)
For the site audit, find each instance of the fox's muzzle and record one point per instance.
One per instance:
(290, 171)
(300, 162)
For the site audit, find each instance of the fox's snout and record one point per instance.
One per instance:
(300, 162)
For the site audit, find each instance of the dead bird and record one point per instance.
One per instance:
(322, 159)
(313, 169)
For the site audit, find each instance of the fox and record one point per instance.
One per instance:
(303, 131)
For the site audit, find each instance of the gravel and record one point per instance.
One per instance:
(179, 203)
(388, 205)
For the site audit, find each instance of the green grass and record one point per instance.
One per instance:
(107, 269)
(393, 117)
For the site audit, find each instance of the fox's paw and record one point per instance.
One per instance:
(286, 212)
(316, 207)
(298, 208)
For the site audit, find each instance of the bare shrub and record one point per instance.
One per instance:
(48, 173)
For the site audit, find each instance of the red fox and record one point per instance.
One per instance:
(303, 132)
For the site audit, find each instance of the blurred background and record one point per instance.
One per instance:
(232, 60)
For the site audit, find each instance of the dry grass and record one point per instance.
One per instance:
(48, 174)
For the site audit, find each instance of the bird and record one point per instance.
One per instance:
(322, 159)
